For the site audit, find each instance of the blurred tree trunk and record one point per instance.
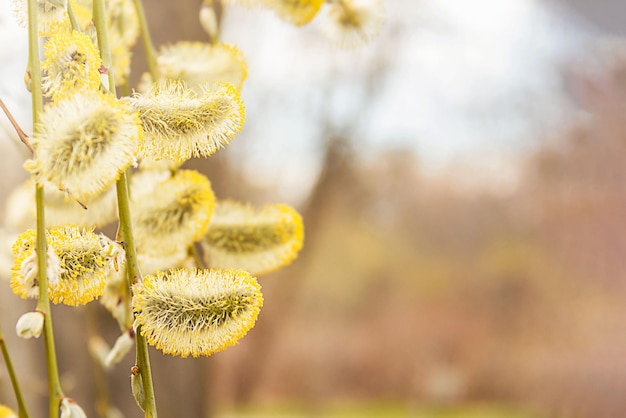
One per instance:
(282, 289)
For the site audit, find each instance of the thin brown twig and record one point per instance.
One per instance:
(24, 138)
(82, 205)
(20, 132)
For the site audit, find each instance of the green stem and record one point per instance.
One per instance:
(99, 20)
(72, 16)
(126, 232)
(143, 361)
(151, 55)
(33, 60)
(22, 412)
(55, 393)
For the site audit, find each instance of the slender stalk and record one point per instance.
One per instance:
(99, 20)
(125, 235)
(55, 393)
(72, 16)
(126, 230)
(151, 56)
(21, 406)
(143, 360)
(197, 258)
(33, 60)
(24, 138)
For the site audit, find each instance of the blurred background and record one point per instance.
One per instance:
(463, 188)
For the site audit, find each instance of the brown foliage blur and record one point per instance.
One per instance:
(416, 290)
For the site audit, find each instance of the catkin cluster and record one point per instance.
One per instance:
(181, 272)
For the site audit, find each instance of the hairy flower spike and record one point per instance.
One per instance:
(173, 213)
(79, 263)
(159, 259)
(297, 12)
(25, 270)
(51, 13)
(197, 63)
(258, 241)
(180, 124)
(196, 312)
(71, 62)
(85, 143)
(60, 209)
(353, 23)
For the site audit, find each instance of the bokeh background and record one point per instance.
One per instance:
(463, 186)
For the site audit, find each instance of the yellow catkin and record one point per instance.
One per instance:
(6, 412)
(196, 312)
(257, 240)
(70, 65)
(354, 23)
(84, 143)
(180, 124)
(60, 209)
(51, 15)
(171, 213)
(152, 260)
(297, 12)
(79, 263)
(197, 63)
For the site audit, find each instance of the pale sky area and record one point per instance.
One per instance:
(468, 84)
(464, 83)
